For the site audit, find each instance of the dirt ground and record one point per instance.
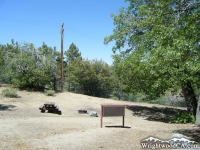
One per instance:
(24, 127)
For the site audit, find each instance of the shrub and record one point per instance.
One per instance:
(183, 117)
(50, 92)
(10, 93)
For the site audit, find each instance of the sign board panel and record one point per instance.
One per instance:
(112, 111)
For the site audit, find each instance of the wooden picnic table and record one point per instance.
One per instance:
(51, 107)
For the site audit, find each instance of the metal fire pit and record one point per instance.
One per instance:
(82, 111)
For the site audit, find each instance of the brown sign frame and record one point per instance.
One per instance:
(112, 110)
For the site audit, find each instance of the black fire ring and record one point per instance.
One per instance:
(82, 111)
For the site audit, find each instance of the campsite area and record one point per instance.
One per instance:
(24, 127)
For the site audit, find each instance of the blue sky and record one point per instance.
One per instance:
(86, 23)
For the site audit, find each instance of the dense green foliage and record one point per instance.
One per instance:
(95, 77)
(24, 66)
(50, 92)
(72, 53)
(183, 118)
(159, 44)
(87, 77)
(6, 52)
(9, 93)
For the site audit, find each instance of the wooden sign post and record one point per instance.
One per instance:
(112, 111)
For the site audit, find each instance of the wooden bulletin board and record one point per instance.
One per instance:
(111, 110)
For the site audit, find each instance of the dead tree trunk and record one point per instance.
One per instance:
(190, 98)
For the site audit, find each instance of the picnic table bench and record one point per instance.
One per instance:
(51, 107)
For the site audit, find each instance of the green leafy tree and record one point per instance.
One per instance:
(7, 53)
(26, 66)
(45, 50)
(117, 82)
(94, 77)
(104, 78)
(160, 42)
(2, 55)
(72, 53)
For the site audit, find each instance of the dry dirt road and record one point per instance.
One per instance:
(24, 127)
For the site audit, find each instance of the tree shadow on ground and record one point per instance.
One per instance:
(40, 90)
(31, 89)
(193, 134)
(53, 112)
(161, 114)
(6, 107)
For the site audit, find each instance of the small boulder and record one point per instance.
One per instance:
(93, 114)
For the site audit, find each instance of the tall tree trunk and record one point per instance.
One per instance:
(54, 83)
(190, 98)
